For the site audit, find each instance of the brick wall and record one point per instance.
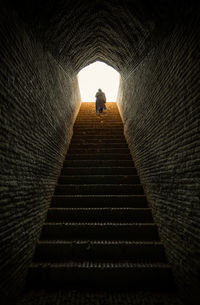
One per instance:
(39, 101)
(159, 103)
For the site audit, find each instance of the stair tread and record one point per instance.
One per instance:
(106, 200)
(96, 128)
(98, 176)
(93, 185)
(119, 134)
(101, 161)
(101, 196)
(98, 163)
(93, 264)
(91, 215)
(103, 168)
(115, 170)
(98, 147)
(101, 224)
(100, 209)
(96, 140)
(101, 242)
(61, 250)
(94, 144)
(92, 178)
(99, 188)
(99, 154)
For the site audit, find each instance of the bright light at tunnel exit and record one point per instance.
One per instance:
(95, 76)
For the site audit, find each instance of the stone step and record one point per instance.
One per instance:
(98, 156)
(99, 231)
(98, 163)
(99, 145)
(83, 150)
(99, 189)
(99, 179)
(96, 140)
(121, 215)
(99, 125)
(101, 274)
(92, 170)
(99, 137)
(109, 125)
(98, 133)
(83, 113)
(136, 201)
(92, 115)
(98, 119)
(61, 251)
(109, 122)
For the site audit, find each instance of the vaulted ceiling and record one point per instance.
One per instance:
(119, 33)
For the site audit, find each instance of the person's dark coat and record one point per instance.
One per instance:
(100, 100)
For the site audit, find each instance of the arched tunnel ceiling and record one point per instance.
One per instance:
(119, 33)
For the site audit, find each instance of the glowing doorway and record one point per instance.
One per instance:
(95, 76)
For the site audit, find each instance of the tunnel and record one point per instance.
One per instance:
(154, 47)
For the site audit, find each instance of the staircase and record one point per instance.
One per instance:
(99, 229)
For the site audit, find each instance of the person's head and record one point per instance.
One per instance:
(99, 90)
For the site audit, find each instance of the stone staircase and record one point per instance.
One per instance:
(99, 229)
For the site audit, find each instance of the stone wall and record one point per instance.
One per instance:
(159, 103)
(39, 102)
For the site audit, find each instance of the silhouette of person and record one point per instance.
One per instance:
(100, 101)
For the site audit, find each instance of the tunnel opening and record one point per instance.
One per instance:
(98, 75)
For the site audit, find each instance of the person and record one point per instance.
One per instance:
(100, 101)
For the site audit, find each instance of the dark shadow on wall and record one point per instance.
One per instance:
(159, 103)
(39, 103)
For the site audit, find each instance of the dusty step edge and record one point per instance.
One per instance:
(97, 200)
(99, 188)
(103, 168)
(100, 185)
(109, 196)
(133, 275)
(101, 242)
(98, 162)
(99, 176)
(95, 214)
(101, 209)
(97, 145)
(82, 149)
(99, 154)
(57, 251)
(103, 265)
(102, 224)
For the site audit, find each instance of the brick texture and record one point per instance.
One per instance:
(39, 102)
(159, 103)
